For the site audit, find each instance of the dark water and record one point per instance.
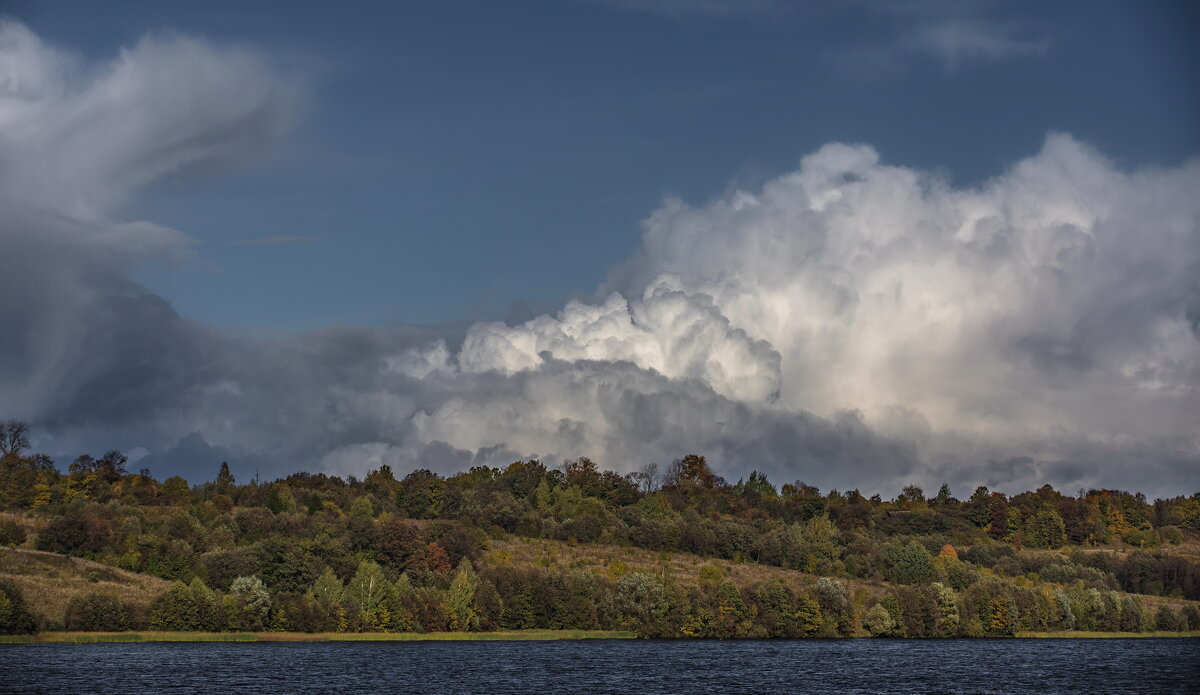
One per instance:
(610, 666)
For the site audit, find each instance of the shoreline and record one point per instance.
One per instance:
(151, 636)
(498, 636)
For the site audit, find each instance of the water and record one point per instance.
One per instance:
(610, 666)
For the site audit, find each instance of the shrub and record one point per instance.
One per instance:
(11, 533)
(15, 618)
(98, 612)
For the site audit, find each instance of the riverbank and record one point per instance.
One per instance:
(1074, 634)
(514, 635)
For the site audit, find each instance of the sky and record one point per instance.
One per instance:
(858, 244)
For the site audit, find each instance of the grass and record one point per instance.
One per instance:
(95, 637)
(49, 581)
(1082, 634)
(479, 636)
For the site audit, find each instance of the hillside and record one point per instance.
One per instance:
(686, 568)
(529, 547)
(49, 581)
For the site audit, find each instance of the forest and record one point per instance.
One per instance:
(673, 553)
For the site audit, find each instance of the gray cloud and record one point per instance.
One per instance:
(679, 9)
(851, 323)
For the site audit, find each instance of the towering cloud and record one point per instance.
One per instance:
(852, 323)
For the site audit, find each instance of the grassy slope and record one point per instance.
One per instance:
(615, 560)
(517, 552)
(49, 581)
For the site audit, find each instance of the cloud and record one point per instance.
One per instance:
(679, 9)
(275, 240)
(851, 323)
(75, 141)
(956, 35)
(960, 41)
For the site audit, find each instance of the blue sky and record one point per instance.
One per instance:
(465, 160)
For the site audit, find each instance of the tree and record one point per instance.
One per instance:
(879, 622)
(97, 612)
(110, 467)
(1045, 529)
(187, 607)
(647, 478)
(643, 602)
(14, 438)
(362, 508)
(175, 490)
(327, 589)
(368, 586)
(281, 499)
(460, 598)
(911, 494)
(251, 602)
(948, 617)
(690, 472)
(15, 618)
(225, 480)
(907, 563)
(835, 606)
(1166, 619)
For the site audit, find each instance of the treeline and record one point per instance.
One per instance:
(295, 553)
(651, 605)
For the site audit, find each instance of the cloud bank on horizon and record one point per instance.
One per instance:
(852, 323)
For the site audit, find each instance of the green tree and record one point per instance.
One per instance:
(251, 601)
(642, 602)
(15, 618)
(835, 607)
(460, 598)
(97, 612)
(1166, 619)
(1045, 529)
(879, 622)
(362, 508)
(371, 590)
(327, 589)
(281, 499)
(225, 480)
(174, 609)
(948, 617)
(907, 563)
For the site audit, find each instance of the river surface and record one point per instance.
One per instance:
(623, 667)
